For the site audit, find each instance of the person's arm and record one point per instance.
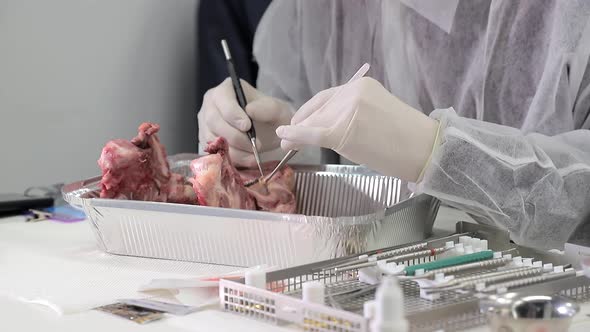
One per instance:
(536, 186)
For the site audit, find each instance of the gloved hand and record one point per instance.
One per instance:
(221, 115)
(367, 125)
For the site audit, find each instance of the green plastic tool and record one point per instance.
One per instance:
(451, 261)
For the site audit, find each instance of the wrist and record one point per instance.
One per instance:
(435, 144)
(422, 139)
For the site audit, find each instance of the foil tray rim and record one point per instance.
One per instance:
(72, 193)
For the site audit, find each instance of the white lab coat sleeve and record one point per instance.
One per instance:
(535, 186)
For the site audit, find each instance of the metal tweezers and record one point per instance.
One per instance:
(280, 165)
(360, 73)
(241, 101)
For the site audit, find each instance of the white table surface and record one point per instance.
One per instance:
(75, 243)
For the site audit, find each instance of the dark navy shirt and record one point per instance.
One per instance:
(236, 21)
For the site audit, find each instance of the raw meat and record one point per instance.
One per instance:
(180, 190)
(278, 194)
(218, 183)
(138, 170)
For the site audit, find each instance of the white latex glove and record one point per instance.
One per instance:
(221, 115)
(367, 125)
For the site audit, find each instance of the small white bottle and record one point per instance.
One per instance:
(389, 308)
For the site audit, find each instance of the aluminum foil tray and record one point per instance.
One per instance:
(342, 210)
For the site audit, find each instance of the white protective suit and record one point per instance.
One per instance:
(507, 64)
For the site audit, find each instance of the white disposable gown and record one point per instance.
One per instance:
(509, 81)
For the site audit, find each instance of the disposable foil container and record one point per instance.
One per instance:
(341, 210)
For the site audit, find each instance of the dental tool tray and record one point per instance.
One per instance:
(341, 210)
(345, 296)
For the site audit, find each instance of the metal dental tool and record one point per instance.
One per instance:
(378, 256)
(360, 73)
(527, 281)
(390, 259)
(282, 163)
(491, 263)
(470, 282)
(241, 100)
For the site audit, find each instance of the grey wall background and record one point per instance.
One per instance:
(76, 73)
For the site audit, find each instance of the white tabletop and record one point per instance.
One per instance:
(35, 255)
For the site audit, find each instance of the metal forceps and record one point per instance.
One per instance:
(360, 73)
(241, 100)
